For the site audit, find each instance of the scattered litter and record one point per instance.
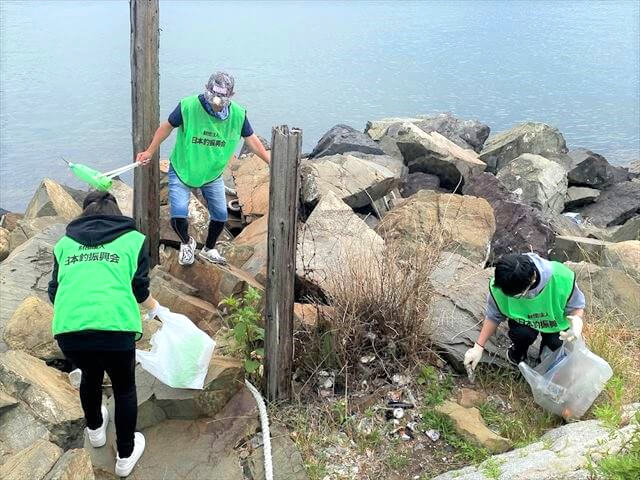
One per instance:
(400, 380)
(367, 359)
(400, 405)
(434, 435)
(471, 374)
(576, 217)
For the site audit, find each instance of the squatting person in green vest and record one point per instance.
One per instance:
(537, 297)
(100, 276)
(210, 126)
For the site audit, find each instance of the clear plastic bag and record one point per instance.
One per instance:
(568, 380)
(180, 352)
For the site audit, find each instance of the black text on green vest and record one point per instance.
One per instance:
(94, 285)
(546, 311)
(204, 143)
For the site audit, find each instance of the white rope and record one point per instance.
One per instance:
(266, 436)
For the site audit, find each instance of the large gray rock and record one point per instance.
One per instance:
(73, 465)
(537, 181)
(333, 236)
(29, 227)
(246, 151)
(630, 230)
(33, 463)
(578, 249)
(530, 137)
(579, 197)
(394, 164)
(342, 139)
(562, 453)
(29, 330)
(287, 461)
(47, 393)
(457, 311)
(624, 256)
(464, 223)
(51, 199)
(27, 272)
(419, 181)
(377, 129)
(124, 196)
(19, 427)
(433, 153)
(593, 170)
(519, 227)
(610, 293)
(182, 449)
(469, 134)
(357, 182)
(616, 204)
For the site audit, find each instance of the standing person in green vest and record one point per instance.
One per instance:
(536, 297)
(210, 126)
(100, 275)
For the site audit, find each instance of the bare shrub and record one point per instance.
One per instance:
(378, 306)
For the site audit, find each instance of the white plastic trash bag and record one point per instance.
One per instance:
(180, 352)
(568, 380)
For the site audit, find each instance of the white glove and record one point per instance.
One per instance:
(575, 331)
(155, 311)
(473, 356)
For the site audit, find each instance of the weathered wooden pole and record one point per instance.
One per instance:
(145, 114)
(281, 261)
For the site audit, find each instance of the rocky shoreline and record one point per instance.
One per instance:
(395, 183)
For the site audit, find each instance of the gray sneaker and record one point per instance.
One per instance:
(187, 252)
(212, 255)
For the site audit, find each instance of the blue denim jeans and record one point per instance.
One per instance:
(213, 193)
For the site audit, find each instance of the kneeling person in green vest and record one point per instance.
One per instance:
(100, 275)
(537, 297)
(210, 126)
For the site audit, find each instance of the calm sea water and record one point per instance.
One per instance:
(65, 79)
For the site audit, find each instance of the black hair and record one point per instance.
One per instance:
(100, 203)
(514, 273)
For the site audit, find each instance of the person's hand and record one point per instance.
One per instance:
(156, 310)
(575, 331)
(473, 356)
(144, 158)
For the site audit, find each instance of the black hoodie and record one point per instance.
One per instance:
(97, 230)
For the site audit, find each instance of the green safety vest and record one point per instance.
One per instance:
(205, 144)
(546, 311)
(94, 285)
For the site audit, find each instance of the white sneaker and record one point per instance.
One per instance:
(98, 437)
(212, 255)
(124, 466)
(187, 252)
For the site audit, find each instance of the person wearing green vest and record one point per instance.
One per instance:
(100, 275)
(210, 126)
(537, 297)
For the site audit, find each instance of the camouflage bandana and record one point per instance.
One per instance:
(220, 85)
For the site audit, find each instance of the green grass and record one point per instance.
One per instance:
(624, 465)
(436, 390)
(397, 461)
(525, 422)
(432, 419)
(491, 468)
(610, 412)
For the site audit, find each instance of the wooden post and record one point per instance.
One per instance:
(145, 114)
(281, 261)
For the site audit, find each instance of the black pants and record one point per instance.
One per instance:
(120, 366)
(522, 337)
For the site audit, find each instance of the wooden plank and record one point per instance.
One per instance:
(145, 113)
(281, 261)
